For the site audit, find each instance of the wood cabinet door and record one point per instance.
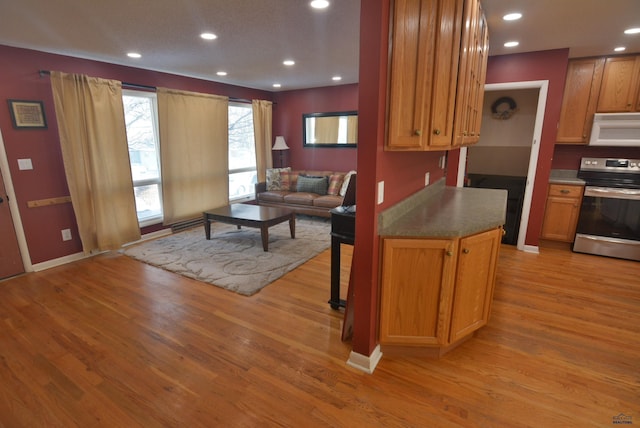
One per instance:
(445, 79)
(424, 69)
(581, 89)
(472, 75)
(417, 277)
(619, 90)
(474, 283)
(561, 212)
(410, 76)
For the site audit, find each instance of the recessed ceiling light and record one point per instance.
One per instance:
(511, 44)
(632, 31)
(336, 78)
(277, 85)
(620, 49)
(208, 36)
(288, 62)
(134, 55)
(512, 16)
(319, 4)
(221, 73)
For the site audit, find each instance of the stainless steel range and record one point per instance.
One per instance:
(609, 220)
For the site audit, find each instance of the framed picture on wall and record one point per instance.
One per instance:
(27, 114)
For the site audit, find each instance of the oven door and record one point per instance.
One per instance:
(609, 223)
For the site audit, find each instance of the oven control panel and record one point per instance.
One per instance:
(624, 166)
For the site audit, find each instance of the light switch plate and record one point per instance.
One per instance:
(66, 234)
(24, 164)
(426, 178)
(380, 192)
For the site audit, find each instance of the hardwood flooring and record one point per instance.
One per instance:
(112, 342)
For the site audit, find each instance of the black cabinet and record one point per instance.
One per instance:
(515, 189)
(343, 231)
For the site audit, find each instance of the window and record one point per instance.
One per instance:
(141, 119)
(242, 151)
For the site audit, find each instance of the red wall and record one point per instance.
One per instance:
(403, 173)
(546, 65)
(19, 79)
(551, 66)
(568, 156)
(287, 121)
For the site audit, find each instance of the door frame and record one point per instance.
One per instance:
(13, 207)
(543, 88)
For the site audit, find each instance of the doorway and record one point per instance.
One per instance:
(506, 156)
(13, 248)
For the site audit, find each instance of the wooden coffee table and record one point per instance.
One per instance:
(250, 216)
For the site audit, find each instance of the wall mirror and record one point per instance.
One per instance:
(336, 129)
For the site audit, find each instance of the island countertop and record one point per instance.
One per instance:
(445, 212)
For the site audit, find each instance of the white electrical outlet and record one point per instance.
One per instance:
(24, 164)
(426, 178)
(380, 192)
(66, 234)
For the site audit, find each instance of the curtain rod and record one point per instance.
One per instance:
(147, 87)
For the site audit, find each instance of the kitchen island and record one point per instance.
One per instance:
(439, 251)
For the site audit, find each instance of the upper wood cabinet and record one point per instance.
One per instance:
(581, 90)
(426, 80)
(620, 90)
(474, 54)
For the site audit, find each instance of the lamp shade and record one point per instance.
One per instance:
(280, 144)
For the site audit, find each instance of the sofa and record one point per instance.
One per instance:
(305, 192)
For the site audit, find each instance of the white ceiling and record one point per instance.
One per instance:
(255, 36)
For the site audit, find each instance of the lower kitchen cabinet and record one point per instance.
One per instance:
(436, 292)
(561, 212)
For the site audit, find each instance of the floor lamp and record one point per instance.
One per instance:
(280, 145)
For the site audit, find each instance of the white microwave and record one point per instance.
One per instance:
(616, 130)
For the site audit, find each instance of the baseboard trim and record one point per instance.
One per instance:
(365, 363)
(531, 249)
(79, 256)
(60, 261)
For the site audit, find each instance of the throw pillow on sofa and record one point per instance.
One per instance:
(345, 183)
(274, 179)
(312, 184)
(289, 180)
(335, 184)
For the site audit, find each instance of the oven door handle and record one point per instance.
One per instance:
(610, 192)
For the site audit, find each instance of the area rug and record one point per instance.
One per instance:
(233, 258)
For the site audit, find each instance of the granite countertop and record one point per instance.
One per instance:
(445, 212)
(565, 176)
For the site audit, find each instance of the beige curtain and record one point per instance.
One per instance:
(352, 129)
(95, 153)
(194, 153)
(327, 129)
(262, 131)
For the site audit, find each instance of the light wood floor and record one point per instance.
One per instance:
(116, 343)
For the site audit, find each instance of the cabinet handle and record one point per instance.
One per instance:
(564, 191)
(449, 253)
(418, 132)
(436, 131)
(465, 250)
